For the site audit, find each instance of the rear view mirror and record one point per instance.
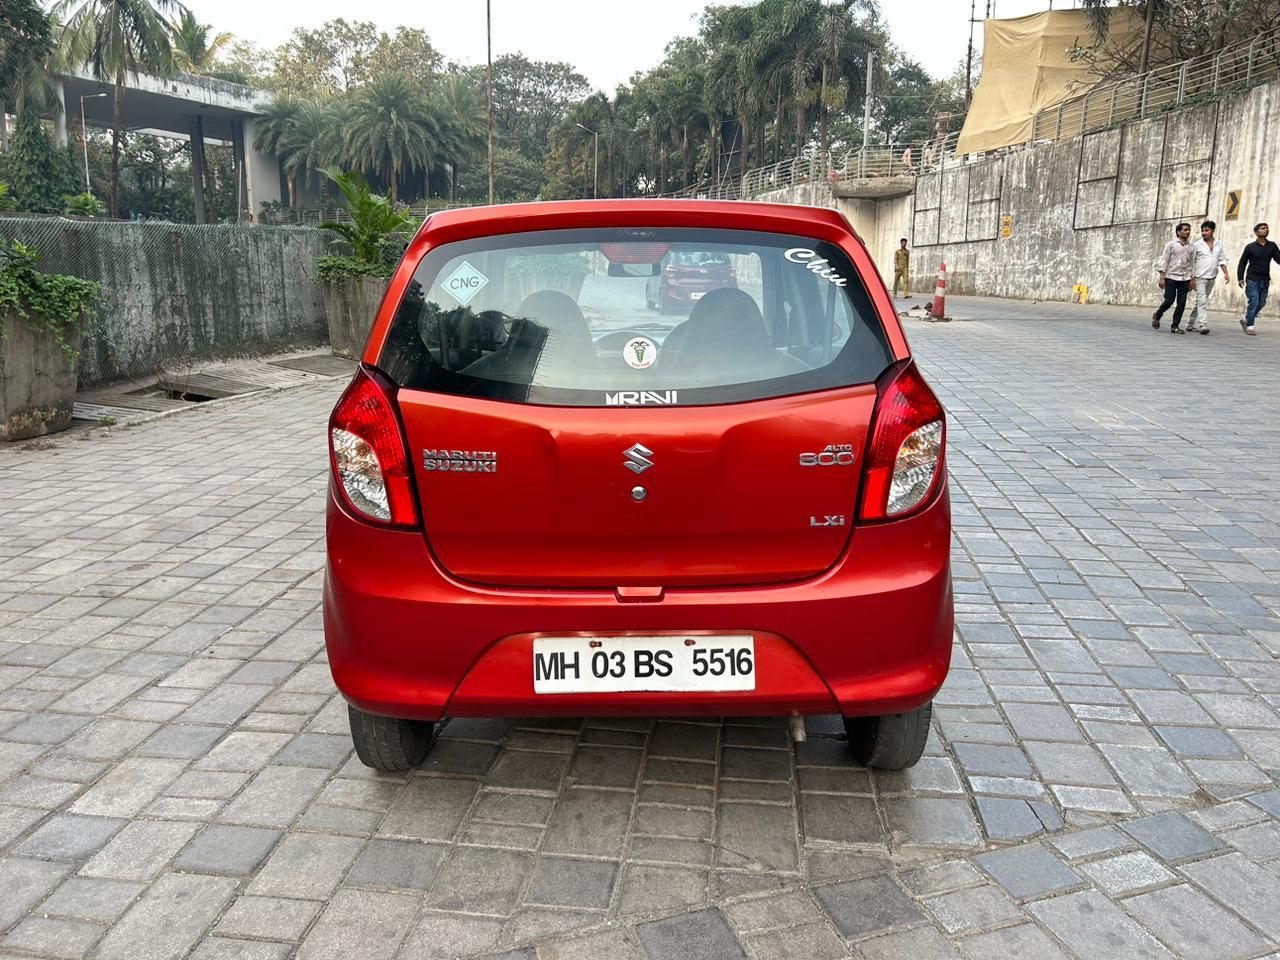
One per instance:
(634, 269)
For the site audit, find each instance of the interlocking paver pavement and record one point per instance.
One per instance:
(176, 778)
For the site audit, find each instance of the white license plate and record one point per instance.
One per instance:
(618, 664)
(697, 295)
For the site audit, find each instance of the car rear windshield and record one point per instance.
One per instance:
(635, 317)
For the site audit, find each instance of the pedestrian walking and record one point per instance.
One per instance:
(1211, 256)
(902, 268)
(1177, 276)
(1254, 274)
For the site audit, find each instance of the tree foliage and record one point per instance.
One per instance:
(1182, 29)
(39, 172)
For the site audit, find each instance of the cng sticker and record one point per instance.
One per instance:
(464, 283)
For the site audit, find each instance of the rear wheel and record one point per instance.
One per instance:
(892, 742)
(388, 743)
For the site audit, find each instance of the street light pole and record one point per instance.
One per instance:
(84, 138)
(488, 34)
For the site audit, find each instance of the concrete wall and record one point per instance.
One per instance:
(1093, 210)
(178, 294)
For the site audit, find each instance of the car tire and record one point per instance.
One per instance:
(892, 742)
(389, 744)
(665, 306)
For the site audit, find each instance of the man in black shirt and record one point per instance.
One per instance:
(1257, 259)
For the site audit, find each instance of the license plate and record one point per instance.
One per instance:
(619, 664)
(697, 295)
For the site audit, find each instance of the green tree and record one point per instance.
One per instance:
(39, 172)
(115, 38)
(26, 41)
(195, 45)
(377, 230)
(339, 56)
(463, 115)
(392, 127)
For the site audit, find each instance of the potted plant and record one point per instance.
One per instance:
(354, 283)
(41, 317)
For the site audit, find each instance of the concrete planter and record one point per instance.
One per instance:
(37, 381)
(350, 307)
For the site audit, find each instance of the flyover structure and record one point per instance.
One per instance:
(185, 107)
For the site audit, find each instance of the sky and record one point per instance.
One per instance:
(606, 40)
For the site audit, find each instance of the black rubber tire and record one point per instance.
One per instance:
(892, 742)
(387, 743)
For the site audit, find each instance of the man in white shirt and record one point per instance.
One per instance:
(1211, 256)
(1177, 276)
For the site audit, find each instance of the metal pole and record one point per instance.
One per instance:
(866, 110)
(84, 137)
(488, 34)
(968, 63)
(595, 170)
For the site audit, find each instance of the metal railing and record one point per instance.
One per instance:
(1232, 68)
(810, 169)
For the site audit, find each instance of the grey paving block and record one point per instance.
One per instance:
(841, 819)
(1251, 891)
(268, 918)
(1092, 926)
(51, 936)
(305, 865)
(562, 882)
(168, 919)
(870, 905)
(1126, 873)
(68, 836)
(360, 923)
(1195, 926)
(443, 936)
(141, 850)
(1019, 942)
(401, 864)
(24, 883)
(971, 909)
(91, 898)
(1172, 836)
(932, 821)
(1199, 742)
(992, 760)
(1028, 871)
(225, 849)
(757, 836)
(648, 889)
(480, 881)
(922, 943)
(590, 822)
(814, 941)
(694, 936)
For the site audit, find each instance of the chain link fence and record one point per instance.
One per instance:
(175, 295)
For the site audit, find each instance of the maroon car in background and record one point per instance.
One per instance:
(686, 277)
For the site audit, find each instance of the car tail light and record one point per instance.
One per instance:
(368, 454)
(904, 460)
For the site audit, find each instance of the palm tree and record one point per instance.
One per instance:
(275, 135)
(391, 128)
(195, 46)
(26, 42)
(115, 38)
(463, 108)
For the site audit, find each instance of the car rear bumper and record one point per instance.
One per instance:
(870, 636)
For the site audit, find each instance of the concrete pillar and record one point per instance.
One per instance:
(60, 121)
(237, 161)
(197, 166)
(262, 173)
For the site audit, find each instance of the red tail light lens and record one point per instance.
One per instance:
(904, 462)
(368, 456)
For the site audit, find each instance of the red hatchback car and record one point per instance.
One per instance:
(545, 501)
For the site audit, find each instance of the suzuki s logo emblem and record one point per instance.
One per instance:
(637, 458)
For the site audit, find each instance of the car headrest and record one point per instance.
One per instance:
(568, 338)
(724, 327)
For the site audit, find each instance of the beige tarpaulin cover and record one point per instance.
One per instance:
(1025, 68)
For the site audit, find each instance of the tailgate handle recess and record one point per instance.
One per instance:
(638, 594)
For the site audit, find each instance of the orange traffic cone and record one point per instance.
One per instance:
(940, 293)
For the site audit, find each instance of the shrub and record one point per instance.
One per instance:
(83, 205)
(46, 301)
